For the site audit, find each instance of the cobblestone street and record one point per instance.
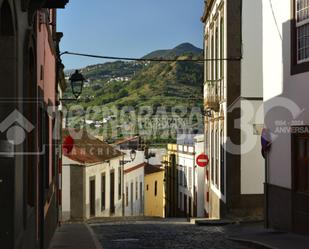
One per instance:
(162, 234)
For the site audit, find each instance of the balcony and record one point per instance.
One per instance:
(213, 94)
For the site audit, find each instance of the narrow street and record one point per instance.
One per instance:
(156, 234)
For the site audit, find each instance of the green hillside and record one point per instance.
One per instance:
(139, 84)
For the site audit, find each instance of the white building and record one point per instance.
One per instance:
(233, 92)
(184, 180)
(286, 102)
(91, 180)
(134, 173)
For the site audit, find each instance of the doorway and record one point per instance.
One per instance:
(112, 192)
(300, 193)
(92, 197)
(131, 199)
(185, 205)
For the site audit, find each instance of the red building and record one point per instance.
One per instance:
(31, 80)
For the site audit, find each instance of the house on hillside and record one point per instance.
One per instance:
(233, 94)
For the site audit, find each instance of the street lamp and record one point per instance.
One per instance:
(77, 83)
(132, 154)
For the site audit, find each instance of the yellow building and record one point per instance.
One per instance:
(154, 191)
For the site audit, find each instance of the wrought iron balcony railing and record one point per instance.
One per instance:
(213, 94)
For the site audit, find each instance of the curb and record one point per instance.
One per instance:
(214, 223)
(94, 238)
(260, 245)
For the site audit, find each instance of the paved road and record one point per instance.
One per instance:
(162, 235)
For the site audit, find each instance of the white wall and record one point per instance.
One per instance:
(252, 162)
(252, 62)
(200, 176)
(96, 172)
(278, 82)
(66, 193)
(137, 207)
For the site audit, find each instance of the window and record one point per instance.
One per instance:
(222, 47)
(222, 176)
(136, 190)
(185, 176)
(119, 183)
(217, 55)
(302, 30)
(180, 200)
(147, 187)
(212, 157)
(127, 196)
(6, 22)
(180, 175)
(217, 158)
(212, 57)
(190, 177)
(156, 188)
(103, 191)
(206, 62)
(300, 37)
(222, 57)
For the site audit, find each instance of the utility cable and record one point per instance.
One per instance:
(148, 60)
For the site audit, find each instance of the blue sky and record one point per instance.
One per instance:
(127, 28)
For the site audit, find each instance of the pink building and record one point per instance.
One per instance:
(31, 79)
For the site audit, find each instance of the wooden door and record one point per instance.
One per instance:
(92, 197)
(185, 209)
(112, 192)
(300, 193)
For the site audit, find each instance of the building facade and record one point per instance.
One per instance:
(154, 191)
(92, 180)
(286, 73)
(184, 180)
(29, 173)
(233, 92)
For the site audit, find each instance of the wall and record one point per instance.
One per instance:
(66, 193)
(95, 172)
(252, 45)
(200, 177)
(135, 208)
(154, 205)
(279, 83)
(252, 162)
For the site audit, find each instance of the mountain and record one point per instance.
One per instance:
(182, 49)
(143, 84)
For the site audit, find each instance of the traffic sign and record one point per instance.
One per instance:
(202, 160)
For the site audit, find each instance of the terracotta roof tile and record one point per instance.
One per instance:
(88, 149)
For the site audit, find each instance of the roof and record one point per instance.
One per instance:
(150, 169)
(208, 5)
(125, 140)
(88, 149)
(134, 168)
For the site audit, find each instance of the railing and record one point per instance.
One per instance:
(213, 94)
